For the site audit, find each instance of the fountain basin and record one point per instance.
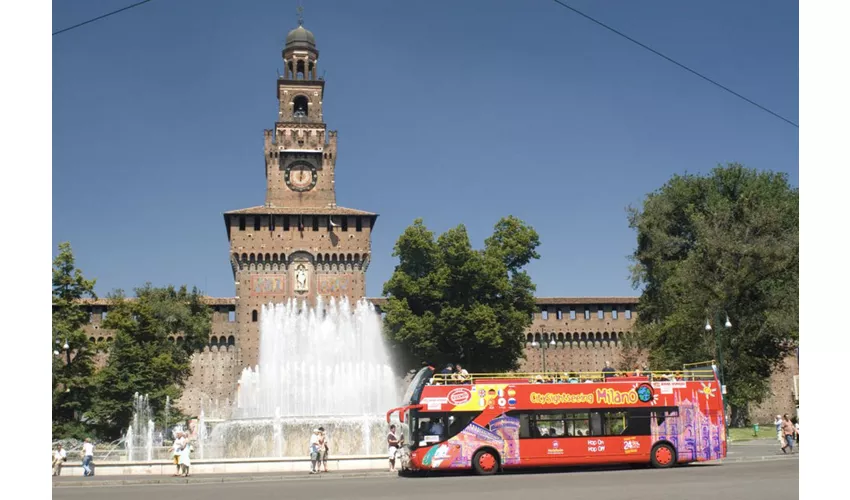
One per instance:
(290, 437)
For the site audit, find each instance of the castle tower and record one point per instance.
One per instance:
(299, 244)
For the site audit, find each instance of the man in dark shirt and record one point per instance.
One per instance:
(607, 371)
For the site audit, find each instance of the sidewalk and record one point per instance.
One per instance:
(94, 481)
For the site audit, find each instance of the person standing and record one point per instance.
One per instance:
(59, 458)
(175, 451)
(788, 431)
(393, 442)
(88, 457)
(314, 452)
(779, 435)
(323, 450)
(607, 371)
(186, 456)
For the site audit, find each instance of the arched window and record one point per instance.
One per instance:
(213, 340)
(299, 106)
(222, 340)
(254, 315)
(300, 70)
(179, 339)
(231, 340)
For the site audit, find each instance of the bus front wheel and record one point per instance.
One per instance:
(485, 462)
(663, 455)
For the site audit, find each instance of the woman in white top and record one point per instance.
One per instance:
(185, 458)
(175, 450)
(59, 457)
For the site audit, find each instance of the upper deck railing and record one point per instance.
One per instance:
(689, 373)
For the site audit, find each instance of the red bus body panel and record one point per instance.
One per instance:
(697, 434)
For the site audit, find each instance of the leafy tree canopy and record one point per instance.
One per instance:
(73, 367)
(448, 302)
(716, 245)
(142, 358)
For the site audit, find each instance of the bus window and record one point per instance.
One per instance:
(615, 423)
(577, 424)
(459, 420)
(550, 425)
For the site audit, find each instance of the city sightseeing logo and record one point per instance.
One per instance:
(459, 396)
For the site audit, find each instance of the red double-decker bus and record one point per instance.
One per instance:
(492, 422)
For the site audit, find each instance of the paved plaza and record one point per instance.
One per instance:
(775, 479)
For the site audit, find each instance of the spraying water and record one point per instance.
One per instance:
(318, 366)
(318, 361)
(139, 437)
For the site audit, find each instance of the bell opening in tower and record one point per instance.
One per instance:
(299, 107)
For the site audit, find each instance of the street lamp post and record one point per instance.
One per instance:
(67, 349)
(543, 346)
(719, 348)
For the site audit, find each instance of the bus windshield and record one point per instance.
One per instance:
(414, 390)
(430, 427)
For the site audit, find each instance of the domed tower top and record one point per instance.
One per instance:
(300, 38)
(300, 55)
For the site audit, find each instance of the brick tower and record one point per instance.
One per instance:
(300, 244)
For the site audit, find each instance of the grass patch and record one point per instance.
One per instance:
(746, 433)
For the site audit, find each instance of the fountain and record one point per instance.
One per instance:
(319, 366)
(139, 438)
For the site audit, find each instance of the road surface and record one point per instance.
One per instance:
(767, 480)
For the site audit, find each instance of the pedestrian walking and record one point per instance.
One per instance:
(88, 458)
(780, 436)
(788, 431)
(59, 458)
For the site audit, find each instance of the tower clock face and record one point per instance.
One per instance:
(301, 176)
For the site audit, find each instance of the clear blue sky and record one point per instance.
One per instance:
(456, 112)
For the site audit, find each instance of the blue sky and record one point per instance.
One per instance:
(456, 112)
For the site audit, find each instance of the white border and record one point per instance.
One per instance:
(26, 201)
(824, 164)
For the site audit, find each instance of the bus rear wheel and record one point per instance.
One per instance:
(663, 455)
(485, 462)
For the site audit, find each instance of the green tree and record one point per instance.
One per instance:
(717, 245)
(142, 359)
(73, 367)
(448, 302)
